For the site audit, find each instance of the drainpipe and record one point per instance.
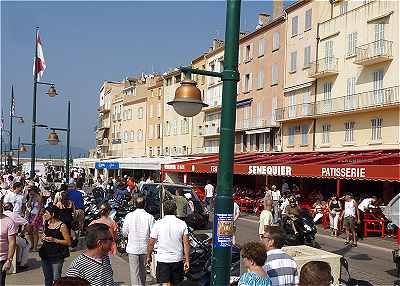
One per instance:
(315, 89)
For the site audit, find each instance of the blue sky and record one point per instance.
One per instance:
(87, 42)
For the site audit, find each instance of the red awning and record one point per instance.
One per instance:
(359, 165)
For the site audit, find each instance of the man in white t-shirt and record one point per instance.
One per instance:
(171, 236)
(209, 190)
(365, 205)
(16, 198)
(276, 196)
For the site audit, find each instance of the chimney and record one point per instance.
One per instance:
(217, 43)
(277, 9)
(263, 19)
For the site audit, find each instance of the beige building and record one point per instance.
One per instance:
(261, 67)
(357, 76)
(133, 126)
(177, 130)
(108, 91)
(154, 141)
(296, 112)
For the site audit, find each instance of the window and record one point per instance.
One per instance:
(177, 78)
(158, 109)
(350, 99)
(140, 113)
(351, 44)
(274, 74)
(275, 41)
(327, 106)
(169, 81)
(132, 136)
(376, 124)
(175, 127)
(292, 106)
(293, 62)
(126, 137)
(261, 47)
(260, 79)
(326, 129)
(343, 7)
(349, 132)
(379, 38)
(130, 114)
(295, 28)
(378, 87)
(151, 110)
(124, 115)
(329, 60)
(247, 82)
(140, 135)
(306, 106)
(247, 53)
(158, 131)
(150, 151)
(167, 130)
(308, 20)
(304, 134)
(166, 151)
(307, 57)
(291, 132)
(151, 131)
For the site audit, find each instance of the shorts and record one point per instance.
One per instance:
(169, 272)
(79, 217)
(349, 222)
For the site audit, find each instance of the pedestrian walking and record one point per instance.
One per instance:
(209, 189)
(104, 211)
(266, 217)
(77, 197)
(280, 267)
(34, 216)
(94, 264)
(316, 273)
(56, 240)
(334, 213)
(254, 257)
(65, 212)
(16, 198)
(137, 226)
(171, 236)
(276, 197)
(181, 205)
(350, 217)
(8, 233)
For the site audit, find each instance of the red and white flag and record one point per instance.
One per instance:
(40, 63)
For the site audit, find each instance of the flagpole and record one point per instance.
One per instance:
(11, 126)
(33, 147)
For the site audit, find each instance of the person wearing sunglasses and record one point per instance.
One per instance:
(94, 264)
(254, 257)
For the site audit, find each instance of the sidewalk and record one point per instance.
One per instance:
(34, 275)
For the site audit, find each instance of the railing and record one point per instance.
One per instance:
(375, 49)
(324, 65)
(254, 123)
(294, 111)
(374, 98)
(210, 128)
(103, 108)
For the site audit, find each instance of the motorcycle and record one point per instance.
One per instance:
(305, 227)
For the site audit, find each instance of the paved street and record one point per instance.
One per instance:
(373, 264)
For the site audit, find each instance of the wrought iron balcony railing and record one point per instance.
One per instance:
(375, 52)
(323, 67)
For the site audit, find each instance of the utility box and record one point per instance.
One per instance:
(303, 254)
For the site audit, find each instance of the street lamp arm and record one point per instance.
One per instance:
(29, 144)
(188, 71)
(45, 83)
(59, 129)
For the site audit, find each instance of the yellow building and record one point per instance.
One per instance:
(357, 76)
(155, 85)
(134, 118)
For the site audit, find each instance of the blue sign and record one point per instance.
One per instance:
(223, 230)
(107, 165)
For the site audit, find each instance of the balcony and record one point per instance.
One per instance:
(360, 101)
(293, 112)
(103, 109)
(210, 129)
(116, 141)
(253, 123)
(323, 68)
(373, 53)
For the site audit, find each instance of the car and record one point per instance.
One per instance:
(155, 193)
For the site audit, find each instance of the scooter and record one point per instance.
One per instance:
(306, 230)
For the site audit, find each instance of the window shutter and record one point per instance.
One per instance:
(251, 82)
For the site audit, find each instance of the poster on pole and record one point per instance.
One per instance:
(223, 230)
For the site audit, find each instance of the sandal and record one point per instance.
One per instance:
(354, 244)
(346, 242)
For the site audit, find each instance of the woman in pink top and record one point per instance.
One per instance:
(105, 219)
(8, 233)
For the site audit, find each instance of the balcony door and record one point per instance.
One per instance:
(350, 99)
(328, 60)
(327, 106)
(378, 87)
(379, 39)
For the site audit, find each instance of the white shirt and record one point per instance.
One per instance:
(168, 232)
(16, 218)
(284, 204)
(276, 195)
(209, 190)
(17, 200)
(137, 226)
(349, 209)
(365, 204)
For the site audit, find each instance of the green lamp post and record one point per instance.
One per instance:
(187, 102)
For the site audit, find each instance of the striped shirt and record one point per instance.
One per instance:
(281, 268)
(97, 273)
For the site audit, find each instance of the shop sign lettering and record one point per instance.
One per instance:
(214, 169)
(343, 172)
(270, 170)
(174, 167)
